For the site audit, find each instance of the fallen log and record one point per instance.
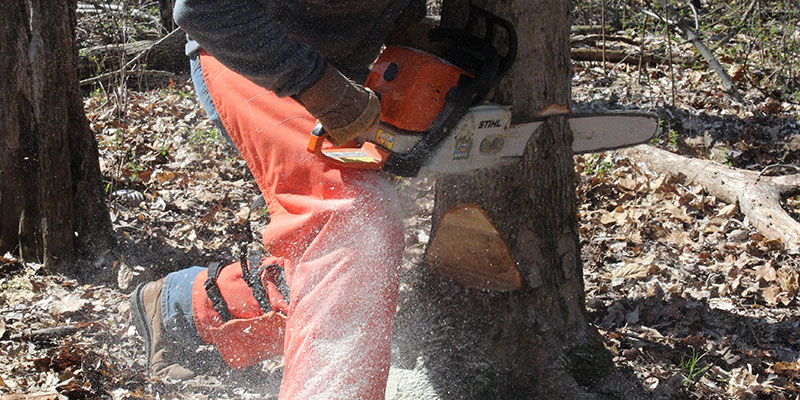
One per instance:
(758, 196)
(588, 29)
(165, 54)
(591, 39)
(617, 56)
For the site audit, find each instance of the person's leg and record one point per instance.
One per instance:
(201, 91)
(149, 305)
(341, 230)
(176, 306)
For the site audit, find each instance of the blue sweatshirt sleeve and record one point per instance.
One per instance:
(244, 36)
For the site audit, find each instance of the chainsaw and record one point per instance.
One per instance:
(434, 119)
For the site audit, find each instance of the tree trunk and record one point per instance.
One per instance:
(51, 195)
(165, 15)
(534, 342)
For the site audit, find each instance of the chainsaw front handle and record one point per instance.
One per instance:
(367, 156)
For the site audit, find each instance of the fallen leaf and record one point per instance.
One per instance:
(67, 304)
(723, 304)
(627, 184)
(766, 273)
(679, 213)
(737, 72)
(772, 244)
(787, 279)
(770, 295)
(634, 271)
(728, 211)
(791, 369)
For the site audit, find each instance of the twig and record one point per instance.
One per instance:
(738, 27)
(768, 168)
(124, 69)
(603, 33)
(127, 72)
(617, 56)
(669, 52)
(712, 61)
(104, 8)
(708, 55)
(41, 335)
(641, 47)
(587, 29)
(694, 13)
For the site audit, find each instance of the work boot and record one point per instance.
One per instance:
(146, 316)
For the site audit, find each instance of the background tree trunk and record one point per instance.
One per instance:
(51, 195)
(165, 15)
(535, 342)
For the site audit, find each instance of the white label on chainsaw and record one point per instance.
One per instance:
(478, 141)
(349, 156)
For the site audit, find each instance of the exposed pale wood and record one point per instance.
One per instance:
(468, 249)
(758, 197)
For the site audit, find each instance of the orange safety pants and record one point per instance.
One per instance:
(338, 235)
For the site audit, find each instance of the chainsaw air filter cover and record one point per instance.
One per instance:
(412, 85)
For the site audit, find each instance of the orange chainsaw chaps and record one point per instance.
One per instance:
(468, 249)
(340, 235)
(412, 85)
(252, 336)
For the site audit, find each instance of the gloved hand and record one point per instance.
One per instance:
(345, 109)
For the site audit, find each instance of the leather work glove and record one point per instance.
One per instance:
(345, 109)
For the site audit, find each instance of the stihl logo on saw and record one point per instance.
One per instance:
(495, 123)
(433, 109)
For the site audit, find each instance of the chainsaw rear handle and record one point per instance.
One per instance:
(466, 37)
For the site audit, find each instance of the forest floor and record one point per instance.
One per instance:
(685, 292)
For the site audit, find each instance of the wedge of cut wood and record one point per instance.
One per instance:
(469, 249)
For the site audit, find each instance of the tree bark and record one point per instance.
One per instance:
(50, 185)
(165, 8)
(534, 342)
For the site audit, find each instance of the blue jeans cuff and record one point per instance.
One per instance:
(176, 305)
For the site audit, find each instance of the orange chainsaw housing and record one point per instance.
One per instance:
(412, 85)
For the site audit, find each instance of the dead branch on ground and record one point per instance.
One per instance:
(617, 56)
(165, 52)
(758, 196)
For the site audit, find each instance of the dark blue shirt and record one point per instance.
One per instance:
(283, 45)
